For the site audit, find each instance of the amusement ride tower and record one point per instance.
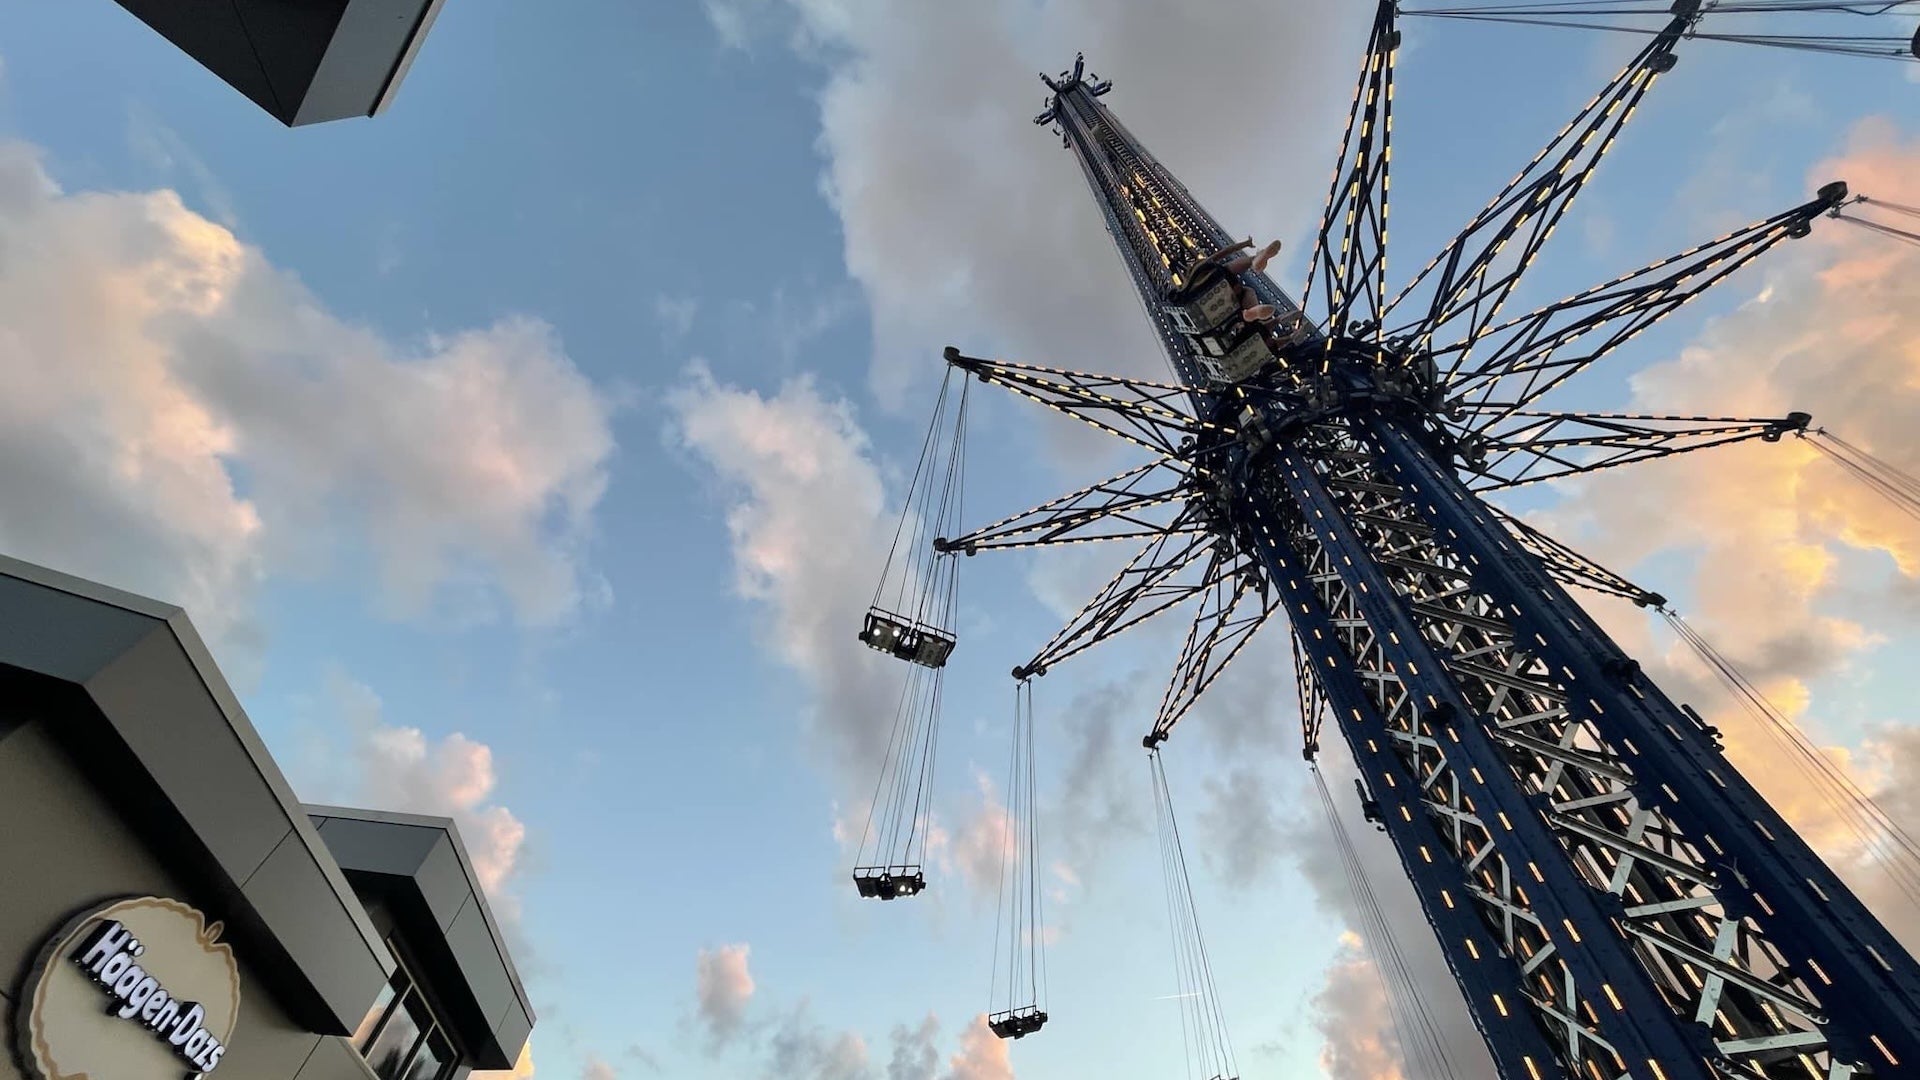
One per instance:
(1614, 898)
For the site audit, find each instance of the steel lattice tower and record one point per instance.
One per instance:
(1613, 897)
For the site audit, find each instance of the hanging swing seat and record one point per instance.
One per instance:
(889, 882)
(1017, 1023)
(905, 638)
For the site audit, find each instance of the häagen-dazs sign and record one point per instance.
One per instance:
(137, 989)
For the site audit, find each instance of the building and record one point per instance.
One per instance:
(168, 908)
(304, 61)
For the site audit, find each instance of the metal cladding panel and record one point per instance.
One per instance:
(373, 45)
(44, 631)
(153, 726)
(303, 61)
(374, 847)
(333, 1059)
(443, 883)
(61, 845)
(512, 1031)
(486, 977)
(193, 756)
(416, 870)
(282, 893)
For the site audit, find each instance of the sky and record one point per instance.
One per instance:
(528, 453)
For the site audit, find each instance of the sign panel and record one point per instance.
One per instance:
(135, 989)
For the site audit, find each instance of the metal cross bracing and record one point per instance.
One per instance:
(1613, 897)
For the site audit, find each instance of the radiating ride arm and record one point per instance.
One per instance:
(1149, 414)
(1536, 352)
(1149, 584)
(1116, 508)
(1536, 446)
(1478, 269)
(1349, 259)
(1236, 603)
(1569, 567)
(1313, 699)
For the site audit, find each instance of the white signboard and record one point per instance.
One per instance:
(138, 989)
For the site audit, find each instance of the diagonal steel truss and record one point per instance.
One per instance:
(1353, 270)
(1526, 357)
(1535, 446)
(1472, 276)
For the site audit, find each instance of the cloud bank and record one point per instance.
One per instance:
(182, 418)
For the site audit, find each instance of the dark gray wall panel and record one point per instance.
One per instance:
(512, 1031)
(366, 51)
(443, 883)
(265, 1043)
(62, 845)
(479, 959)
(45, 631)
(374, 847)
(283, 892)
(194, 756)
(333, 1059)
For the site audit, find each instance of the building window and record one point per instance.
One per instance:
(400, 1039)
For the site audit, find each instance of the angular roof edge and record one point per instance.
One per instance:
(396, 817)
(243, 836)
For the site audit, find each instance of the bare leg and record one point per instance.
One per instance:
(1265, 256)
(1258, 313)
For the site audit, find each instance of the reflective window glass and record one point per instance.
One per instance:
(432, 1059)
(369, 1024)
(394, 1045)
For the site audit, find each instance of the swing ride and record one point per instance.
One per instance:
(1614, 898)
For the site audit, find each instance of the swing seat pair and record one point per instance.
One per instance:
(1017, 1023)
(889, 882)
(914, 642)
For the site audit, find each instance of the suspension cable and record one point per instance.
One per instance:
(918, 587)
(1890, 847)
(1907, 236)
(1422, 1048)
(1199, 993)
(1894, 484)
(1021, 911)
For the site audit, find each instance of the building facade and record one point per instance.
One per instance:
(169, 909)
(303, 61)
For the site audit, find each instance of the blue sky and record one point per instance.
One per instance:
(520, 448)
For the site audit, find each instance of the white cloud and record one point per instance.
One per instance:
(982, 1055)
(675, 315)
(975, 851)
(723, 986)
(180, 417)
(804, 508)
(1350, 1012)
(400, 768)
(967, 225)
(597, 1069)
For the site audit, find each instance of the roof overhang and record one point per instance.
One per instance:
(418, 870)
(304, 61)
(128, 687)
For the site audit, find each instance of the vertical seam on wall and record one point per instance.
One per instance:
(311, 1050)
